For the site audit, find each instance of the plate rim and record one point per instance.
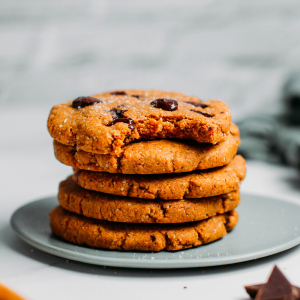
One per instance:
(141, 263)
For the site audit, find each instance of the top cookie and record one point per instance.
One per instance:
(104, 123)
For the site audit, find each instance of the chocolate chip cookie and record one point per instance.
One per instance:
(82, 230)
(105, 123)
(102, 206)
(154, 157)
(196, 184)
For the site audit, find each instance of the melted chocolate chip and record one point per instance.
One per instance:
(203, 113)
(153, 238)
(118, 93)
(136, 96)
(165, 104)
(84, 101)
(197, 104)
(118, 116)
(142, 188)
(117, 113)
(123, 120)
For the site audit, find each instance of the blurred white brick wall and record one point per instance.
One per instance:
(238, 51)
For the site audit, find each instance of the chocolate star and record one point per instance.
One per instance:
(277, 288)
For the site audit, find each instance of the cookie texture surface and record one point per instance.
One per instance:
(81, 230)
(197, 184)
(154, 157)
(107, 207)
(115, 119)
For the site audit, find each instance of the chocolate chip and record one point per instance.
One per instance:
(142, 188)
(117, 113)
(153, 238)
(118, 116)
(203, 113)
(136, 96)
(165, 104)
(197, 104)
(123, 120)
(118, 93)
(206, 115)
(84, 101)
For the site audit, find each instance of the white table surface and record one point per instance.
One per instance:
(30, 172)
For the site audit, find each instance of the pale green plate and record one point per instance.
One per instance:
(266, 226)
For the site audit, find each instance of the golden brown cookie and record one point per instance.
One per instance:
(154, 157)
(82, 230)
(104, 123)
(197, 184)
(102, 206)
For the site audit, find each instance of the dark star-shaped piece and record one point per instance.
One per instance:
(277, 288)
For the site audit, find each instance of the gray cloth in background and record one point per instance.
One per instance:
(275, 138)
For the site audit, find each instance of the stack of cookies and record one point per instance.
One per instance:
(153, 170)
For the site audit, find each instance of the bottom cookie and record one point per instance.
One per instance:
(139, 237)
